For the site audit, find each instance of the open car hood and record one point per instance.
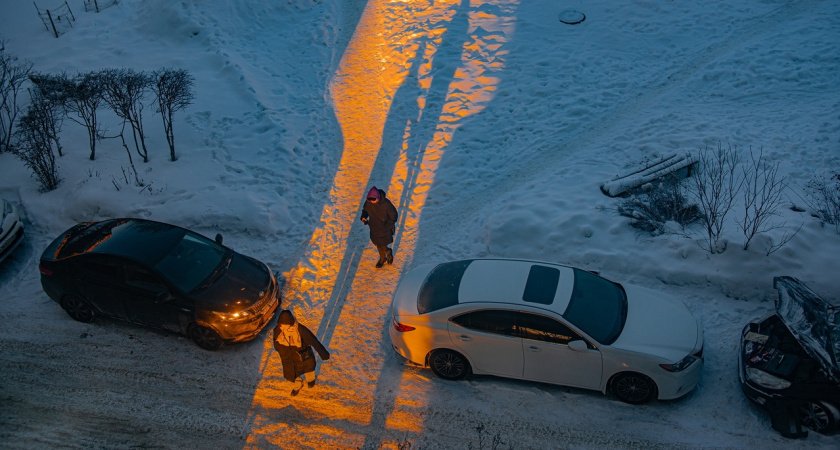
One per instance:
(814, 321)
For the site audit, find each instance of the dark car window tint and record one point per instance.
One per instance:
(100, 268)
(142, 278)
(541, 285)
(440, 290)
(542, 328)
(598, 307)
(192, 260)
(495, 321)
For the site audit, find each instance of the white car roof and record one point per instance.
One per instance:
(504, 281)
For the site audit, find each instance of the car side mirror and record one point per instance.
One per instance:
(219, 238)
(578, 346)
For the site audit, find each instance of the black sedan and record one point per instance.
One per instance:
(790, 361)
(162, 276)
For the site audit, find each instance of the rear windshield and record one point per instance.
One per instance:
(440, 290)
(75, 243)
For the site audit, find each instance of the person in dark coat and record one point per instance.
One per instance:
(380, 216)
(294, 342)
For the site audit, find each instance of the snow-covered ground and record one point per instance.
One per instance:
(491, 125)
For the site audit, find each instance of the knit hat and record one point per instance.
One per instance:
(373, 193)
(286, 318)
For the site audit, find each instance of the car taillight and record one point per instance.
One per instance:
(44, 270)
(400, 327)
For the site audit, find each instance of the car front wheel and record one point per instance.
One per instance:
(633, 388)
(78, 308)
(819, 416)
(205, 337)
(449, 365)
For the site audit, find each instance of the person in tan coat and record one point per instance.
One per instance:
(294, 342)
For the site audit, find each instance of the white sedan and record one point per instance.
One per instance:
(11, 228)
(546, 322)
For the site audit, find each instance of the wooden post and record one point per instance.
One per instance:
(69, 10)
(41, 15)
(52, 23)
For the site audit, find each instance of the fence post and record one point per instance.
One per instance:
(69, 10)
(52, 23)
(40, 14)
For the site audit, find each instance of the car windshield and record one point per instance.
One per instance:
(440, 290)
(598, 307)
(193, 260)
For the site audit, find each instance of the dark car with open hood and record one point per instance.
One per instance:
(789, 361)
(161, 276)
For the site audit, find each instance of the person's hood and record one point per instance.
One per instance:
(658, 325)
(813, 321)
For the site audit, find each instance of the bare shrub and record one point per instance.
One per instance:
(822, 195)
(763, 196)
(124, 91)
(34, 145)
(13, 73)
(174, 92)
(49, 96)
(83, 101)
(715, 186)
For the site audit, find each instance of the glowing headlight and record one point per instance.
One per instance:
(233, 316)
(766, 380)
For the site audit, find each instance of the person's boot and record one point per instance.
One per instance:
(389, 257)
(379, 263)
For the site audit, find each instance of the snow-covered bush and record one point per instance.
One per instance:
(654, 205)
(822, 194)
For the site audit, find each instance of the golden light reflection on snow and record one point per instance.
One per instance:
(334, 289)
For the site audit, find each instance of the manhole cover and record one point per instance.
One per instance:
(572, 17)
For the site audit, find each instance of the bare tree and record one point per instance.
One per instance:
(49, 96)
(13, 74)
(34, 145)
(716, 185)
(174, 92)
(763, 196)
(137, 179)
(84, 100)
(124, 91)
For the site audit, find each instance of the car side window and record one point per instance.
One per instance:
(495, 321)
(100, 268)
(546, 329)
(142, 278)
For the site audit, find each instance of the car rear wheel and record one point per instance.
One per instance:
(205, 337)
(449, 365)
(819, 416)
(78, 308)
(633, 388)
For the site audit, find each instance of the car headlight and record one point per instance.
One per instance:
(229, 317)
(766, 380)
(680, 366)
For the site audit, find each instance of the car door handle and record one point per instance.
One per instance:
(534, 349)
(464, 338)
